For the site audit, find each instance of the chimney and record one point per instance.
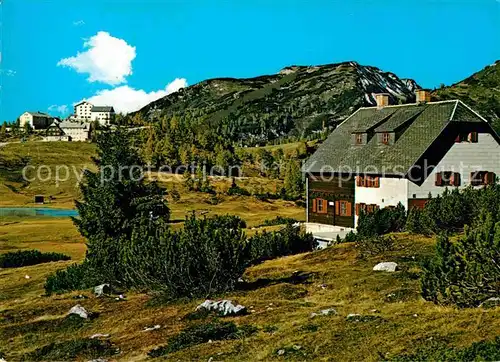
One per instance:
(423, 95)
(382, 100)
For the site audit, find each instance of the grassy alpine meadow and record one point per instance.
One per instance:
(76, 156)
(280, 296)
(321, 305)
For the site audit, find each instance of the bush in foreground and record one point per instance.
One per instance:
(74, 277)
(439, 351)
(466, 272)
(290, 240)
(22, 258)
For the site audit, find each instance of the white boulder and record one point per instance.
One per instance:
(100, 335)
(386, 266)
(102, 289)
(80, 311)
(153, 328)
(328, 311)
(223, 307)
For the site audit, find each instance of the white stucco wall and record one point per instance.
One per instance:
(77, 134)
(391, 192)
(83, 110)
(104, 118)
(464, 158)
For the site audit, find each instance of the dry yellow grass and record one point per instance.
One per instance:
(336, 278)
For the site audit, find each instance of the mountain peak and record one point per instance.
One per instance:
(298, 101)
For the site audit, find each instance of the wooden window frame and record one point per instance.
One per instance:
(482, 178)
(386, 138)
(447, 179)
(359, 138)
(343, 208)
(368, 181)
(320, 206)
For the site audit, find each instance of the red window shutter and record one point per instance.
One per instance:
(491, 178)
(455, 179)
(314, 205)
(325, 206)
(337, 207)
(377, 182)
(358, 181)
(475, 137)
(357, 209)
(439, 179)
(348, 209)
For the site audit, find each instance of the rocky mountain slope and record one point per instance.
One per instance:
(301, 101)
(480, 91)
(298, 101)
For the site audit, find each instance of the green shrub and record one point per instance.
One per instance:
(28, 257)
(202, 333)
(452, 210)
(74, 277)
(375, 245)
(269, 245)
(70, 350)
(435, 350)
(381, 222)
(278, 220)
(466, 272)
(204, 258)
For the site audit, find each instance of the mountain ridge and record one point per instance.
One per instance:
(302, 101)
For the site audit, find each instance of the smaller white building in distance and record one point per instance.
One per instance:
(86, 111)
(68, 131)
(36, 120)
(102, 114)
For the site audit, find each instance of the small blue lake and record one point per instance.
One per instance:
(36, 211)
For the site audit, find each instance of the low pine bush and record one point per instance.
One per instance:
(381, 222)
(269, 245)
(278, 220)
(465, 273)
(75, 277)
(204, 258)
(22, 258)
(440, 351)
(375, 245)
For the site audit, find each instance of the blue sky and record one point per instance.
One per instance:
(55, 53)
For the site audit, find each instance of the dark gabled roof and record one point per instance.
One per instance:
(40, 114)
(399, 118)
(81, 102)
(102, 109)
(423, 123)
(75, 125)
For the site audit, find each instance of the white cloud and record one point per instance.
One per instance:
(62, 109)
(125, 99)
(107, 60)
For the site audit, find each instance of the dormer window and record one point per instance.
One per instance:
(386, 138)
(467, 137)
(359, 138)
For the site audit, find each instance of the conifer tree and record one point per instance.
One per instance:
(115, 200)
